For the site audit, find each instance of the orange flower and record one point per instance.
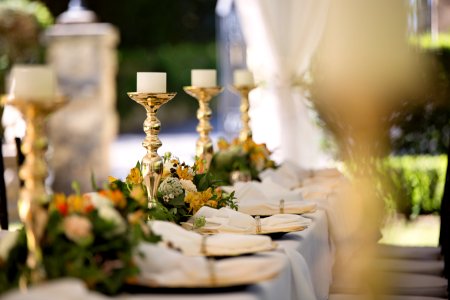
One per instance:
(136, 217)
(116, 197)
(138, 194)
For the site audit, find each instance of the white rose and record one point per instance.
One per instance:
(77, 228)
(98, 200)
(7, 243)
(110, 214)
(188, 185)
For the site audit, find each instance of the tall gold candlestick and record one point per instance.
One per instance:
(204, 146)
(243, 91)
(33, 172)
(152, 163)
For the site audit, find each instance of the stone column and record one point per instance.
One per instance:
(85, 59)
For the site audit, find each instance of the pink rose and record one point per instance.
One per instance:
(78, 229)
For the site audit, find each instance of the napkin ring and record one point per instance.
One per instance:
(258, 224)
(282, 206)
(212, 272)
(203, 248)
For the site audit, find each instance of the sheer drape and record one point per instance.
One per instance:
(281, 37)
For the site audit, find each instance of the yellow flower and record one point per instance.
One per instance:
(184, 172)
(135, 176)
(222, 144)
(198, 199)
(111, 179)
(200, 165)
(248, 145)
(76, 203)
(138, 194)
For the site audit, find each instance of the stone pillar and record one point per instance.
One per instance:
(85, 59)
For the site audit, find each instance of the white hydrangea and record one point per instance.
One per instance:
(170, 188)
(110, 214)
(7, 243)
(188, 185)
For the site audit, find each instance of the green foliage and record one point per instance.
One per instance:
(412, 185)
(246, 157)
(34, 8)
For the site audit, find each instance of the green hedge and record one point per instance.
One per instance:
(413, 185)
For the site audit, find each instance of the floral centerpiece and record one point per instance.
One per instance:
(91, 237)
(246, 157)
(182, 192)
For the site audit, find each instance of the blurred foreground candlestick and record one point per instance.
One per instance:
(243, 84)
(151, 95)
(204, 89)
(35, 107)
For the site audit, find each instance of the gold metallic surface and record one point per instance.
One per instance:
(204, 146)
(243, 91)
(33, 172)
(152, 163)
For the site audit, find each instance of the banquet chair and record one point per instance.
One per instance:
(412, 271)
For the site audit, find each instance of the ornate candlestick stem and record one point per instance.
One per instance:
(204, 146)
(243, 91)
(152, 163)
(33, 172)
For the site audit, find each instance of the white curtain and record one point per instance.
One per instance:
(281, 36)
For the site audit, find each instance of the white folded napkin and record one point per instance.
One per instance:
(63, 289)
(268, 198)
(226, 220)
(168, 268)
(288, 175)
(267, 190)
(222, 244)
(327, 172)
(314, 192)
(329, 182)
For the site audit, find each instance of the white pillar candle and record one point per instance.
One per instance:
(151, 82)
(33, 82)
(204, 78)
(243, 77)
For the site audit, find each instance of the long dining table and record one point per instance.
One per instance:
(308, 260)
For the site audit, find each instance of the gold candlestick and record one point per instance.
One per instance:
(204, 146)
(243, 91)
(33, 172)
(152, 163)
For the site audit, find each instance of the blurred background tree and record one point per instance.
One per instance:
(172, 36)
